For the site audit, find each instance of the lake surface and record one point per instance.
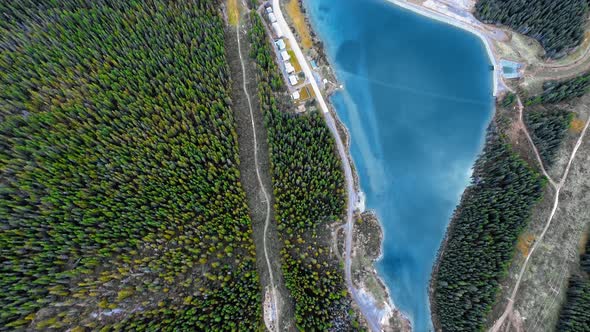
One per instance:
(417, 101)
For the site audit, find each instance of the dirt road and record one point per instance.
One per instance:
(557, 189)
(374, 324)
(272, 312)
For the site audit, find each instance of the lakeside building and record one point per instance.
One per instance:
(269, 10)
(272, 18)
(293, 79)
(281, 44)
(277, 29)
(296, 95)
(289, 67)
(285, 56)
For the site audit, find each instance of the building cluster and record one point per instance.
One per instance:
(282, 50)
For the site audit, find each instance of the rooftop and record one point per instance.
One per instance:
(281, 44)
(293, 79)
(285, 56)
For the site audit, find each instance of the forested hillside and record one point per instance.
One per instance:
(557, 24)
(480, 241)
(309, 190)
(557, 91)
(119, 193)
(575, 313)
(548, 128)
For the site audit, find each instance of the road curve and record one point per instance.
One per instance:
(528, 136)
(331, 123)
(275, 314)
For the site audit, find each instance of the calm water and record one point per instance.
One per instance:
(417, 100)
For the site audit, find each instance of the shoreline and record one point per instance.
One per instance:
(430, 13)
(393, 313)
(351, 179)
(421, 10)
(324, 60)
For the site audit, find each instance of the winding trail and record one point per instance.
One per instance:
(528, 136)
(274, 314)
(557, 187)
(365, 308)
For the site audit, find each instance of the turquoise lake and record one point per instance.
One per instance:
(417, 101)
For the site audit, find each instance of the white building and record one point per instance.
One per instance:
(269, 10)
(272, 18)
(293, 79)
(285, 56)
(289, 67)
(277, 28)
(281, 44)
(296, 95)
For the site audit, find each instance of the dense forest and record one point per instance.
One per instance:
(480, 241)
(557, 24)
(575, 313)
(557, 91)
(308, 185)
(120, 202)
(548, 128)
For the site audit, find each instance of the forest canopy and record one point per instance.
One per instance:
(308, 184)
(120, 198)
(558, 91)
(548, 128)
(557, 24)
(481, 239)
(575, 312)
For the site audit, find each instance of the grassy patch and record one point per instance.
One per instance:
(304, 93)
(294, 61)
(298, 18)
(233, 12)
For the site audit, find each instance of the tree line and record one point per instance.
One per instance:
(557, 24)
(558, 91)
(308, 184)
(575, 312)
(119, 188)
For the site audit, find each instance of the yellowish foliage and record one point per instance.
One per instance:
(124, 293)
(233, 12)
(582, 244)
(577, 125)
(298, 18)
(525, 241)
(294, 61)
